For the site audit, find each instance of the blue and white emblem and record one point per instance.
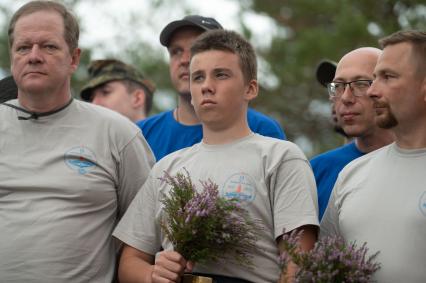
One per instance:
(240, 186)
(80, 159)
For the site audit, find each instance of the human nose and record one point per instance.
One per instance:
(207, 86)
(35, 54)
(347, 95)
(372, 91)
(184, 59)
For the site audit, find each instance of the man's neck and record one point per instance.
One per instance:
(138, 116)
(380, 138)
(41, 103)
(411, 136)
(185, 113)
(226, 134)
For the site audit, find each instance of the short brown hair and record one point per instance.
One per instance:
(416, 38)
(231, 41)
(131, 86)
(71, 28)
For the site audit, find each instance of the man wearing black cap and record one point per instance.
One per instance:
(119, 87)
(162, 130)
(325, 74)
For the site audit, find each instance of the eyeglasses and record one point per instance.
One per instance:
(358, 88)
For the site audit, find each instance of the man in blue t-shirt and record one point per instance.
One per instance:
(179, 128)
(355, 114)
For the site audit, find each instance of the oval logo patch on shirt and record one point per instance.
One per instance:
(240, 186)
(80, 159)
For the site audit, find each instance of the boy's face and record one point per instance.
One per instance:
(219, 94)
(115, 96)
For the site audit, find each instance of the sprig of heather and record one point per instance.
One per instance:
(202, 225)
(331, 260)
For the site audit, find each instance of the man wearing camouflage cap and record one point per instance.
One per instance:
(119, 87)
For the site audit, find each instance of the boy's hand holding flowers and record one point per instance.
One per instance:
(201, 225)
(170, 265)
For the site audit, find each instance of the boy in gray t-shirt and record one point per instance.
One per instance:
(271, 177)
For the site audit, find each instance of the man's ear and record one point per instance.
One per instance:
(252, 89)
(75, 59)
(138, 98)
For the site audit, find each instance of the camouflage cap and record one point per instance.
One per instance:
(103, 71)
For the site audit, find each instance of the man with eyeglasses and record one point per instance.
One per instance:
(380, 198)
(355, 113)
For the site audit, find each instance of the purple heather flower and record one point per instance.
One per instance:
(201, 224)
(331, 260)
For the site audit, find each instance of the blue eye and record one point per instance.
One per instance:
(23, 48)
(197, 78)
(222, 75)
(50, 47)
(175, 51)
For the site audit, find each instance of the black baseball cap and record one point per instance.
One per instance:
(325, 72)
(8, 89)
(203, 23)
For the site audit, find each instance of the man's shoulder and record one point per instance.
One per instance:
(99, 116)
(254, 116)
(97, 111)
(345, 152)
(176, 158)
(362, 165)
(259, 115)
(264, 125)
(273, 147)
(4, 107)
(155, 119)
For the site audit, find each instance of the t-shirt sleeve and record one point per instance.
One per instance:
(295, 196)
(330, 221)
(139, 227)
(136, 161)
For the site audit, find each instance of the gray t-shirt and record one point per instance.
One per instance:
(380, 199)
(65, 179)
(271, 177)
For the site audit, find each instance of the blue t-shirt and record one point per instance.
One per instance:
(165, 135)
(327, 167)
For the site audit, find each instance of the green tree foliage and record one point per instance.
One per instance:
(308, 31)
(312, 30)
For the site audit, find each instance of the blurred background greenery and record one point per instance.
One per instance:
(298, 35)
